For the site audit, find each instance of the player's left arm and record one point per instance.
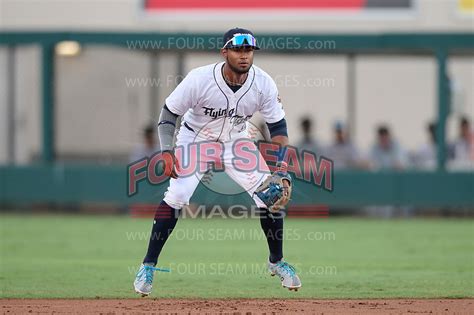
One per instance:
(274, 115)
(279, 133)
(281, 140)
(275, 191)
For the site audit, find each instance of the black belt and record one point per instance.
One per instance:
(187, 126)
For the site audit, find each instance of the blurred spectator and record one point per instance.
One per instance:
(308, 142)
(386, 153)
(425, 157)
(343, 153)
(149, 146)
(463, 148)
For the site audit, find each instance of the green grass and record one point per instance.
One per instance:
(96, 256)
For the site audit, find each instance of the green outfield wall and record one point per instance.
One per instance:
(85, 183)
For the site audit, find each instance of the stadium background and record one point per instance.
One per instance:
(69, 123)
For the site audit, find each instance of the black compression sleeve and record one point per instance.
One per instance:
(278, 129)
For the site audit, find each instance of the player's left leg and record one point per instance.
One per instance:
(272, 224)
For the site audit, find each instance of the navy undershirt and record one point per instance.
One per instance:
(234, 88)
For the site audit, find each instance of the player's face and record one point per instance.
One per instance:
(239, 59)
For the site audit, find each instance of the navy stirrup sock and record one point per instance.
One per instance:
(273, 229)
(163, 224)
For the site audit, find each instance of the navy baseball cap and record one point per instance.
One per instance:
(239, 37)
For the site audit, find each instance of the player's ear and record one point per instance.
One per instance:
(224, 52)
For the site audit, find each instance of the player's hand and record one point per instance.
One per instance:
(286, 188)
(282, 171)
(171, 167)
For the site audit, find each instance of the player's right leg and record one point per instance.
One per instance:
(164, 222)
(177, 195)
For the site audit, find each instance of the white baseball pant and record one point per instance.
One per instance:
(181, 189)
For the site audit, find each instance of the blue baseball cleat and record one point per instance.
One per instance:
(144, 279)
(287, 273)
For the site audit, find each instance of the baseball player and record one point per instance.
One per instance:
(216, 101)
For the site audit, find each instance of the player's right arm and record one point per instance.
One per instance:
(177, 104)
(166, 128)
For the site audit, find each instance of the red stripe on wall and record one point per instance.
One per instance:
(246, 4)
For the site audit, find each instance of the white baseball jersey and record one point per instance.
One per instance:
(215, 112)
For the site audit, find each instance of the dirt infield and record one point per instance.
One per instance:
(236, 306)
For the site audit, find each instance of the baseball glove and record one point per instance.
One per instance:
(275, 191)
(171, 165)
